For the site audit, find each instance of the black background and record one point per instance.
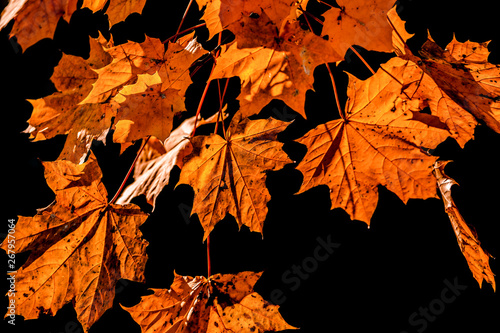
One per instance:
(374, 281)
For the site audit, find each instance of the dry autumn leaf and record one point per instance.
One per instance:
(253, 22)
(281, 68)
(463, 73)
(459, 122)
(80, 246)
(35, 20)
(376, 142)
(60, 113)
(359, 22)
(118, 10)
(469, 244)
(146, 109)
(221, 303)
(228, 175)
(148, 57)
(152, 174)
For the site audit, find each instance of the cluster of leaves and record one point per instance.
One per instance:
(84, 242)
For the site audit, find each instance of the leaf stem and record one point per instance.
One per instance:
(200, 104)
(209, 262)
(122, 186)
(184, 31)
(335, 92)
(182, 20)
(324, 3)
(362, 59)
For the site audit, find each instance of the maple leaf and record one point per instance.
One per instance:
(251, 21)
(221, 303)
(376, 142)
(118, 10)
(36, 19)
(419, 85)
(228, 174)
(281, 68)
(463, 73)
(399, 33)
(360, 22)
(469, 244)
(148, 57)
(152, 170)
(80, 246)
(60, 113)
(147, 109)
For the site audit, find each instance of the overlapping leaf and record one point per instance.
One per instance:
(60, 113)
(118, 10)
(252, 22)
(152, 171)
(148, 57)
(377, 142)
(221, 303)
(147, 109)
(281, 67)
(228, 175)
(80, 246)
(463, 72)
(359, 22)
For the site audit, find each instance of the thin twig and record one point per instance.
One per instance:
(362, 59)
(182, 20)
(122, 186)
(184, 31)
(335, 92)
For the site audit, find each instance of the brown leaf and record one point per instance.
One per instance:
(419, 85)
(463, 72)
(469, 244)
(221, 303)
(377, 142)
(229, 175)
(80, 246)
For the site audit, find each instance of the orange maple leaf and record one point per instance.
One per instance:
(80, 246)
(146, 109)
(252, 22)
(221, 303)
(118, 10)
(360, 22)
(36, 19)
(419, 85)
(60, 113)
(460, 75)
(148, 57)
(469, 244)
(152, 170)
(462, 71)
(228, 174)
(376, 142)
(281, 68)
